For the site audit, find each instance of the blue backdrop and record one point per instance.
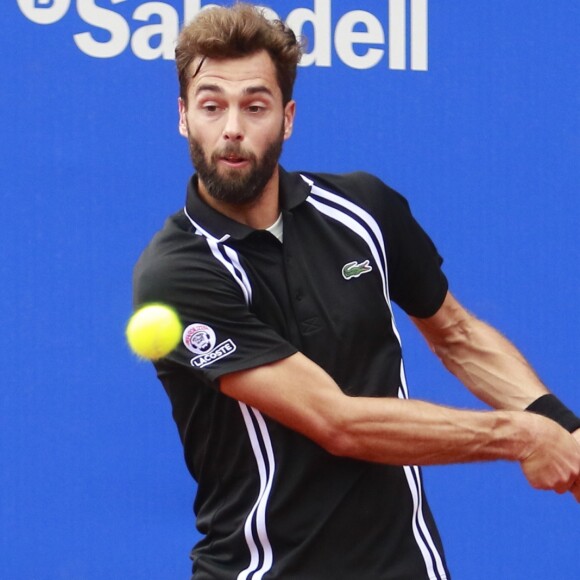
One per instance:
(471, 109)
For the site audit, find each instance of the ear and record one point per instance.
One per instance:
(289, 114)
(182, 118)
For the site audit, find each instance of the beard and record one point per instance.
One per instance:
(233, 186)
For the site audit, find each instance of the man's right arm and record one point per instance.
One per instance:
(300, 395)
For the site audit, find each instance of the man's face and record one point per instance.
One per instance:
(235, 124)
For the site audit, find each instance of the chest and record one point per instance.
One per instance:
(324, 288)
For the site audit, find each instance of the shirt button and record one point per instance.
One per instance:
(299, 296)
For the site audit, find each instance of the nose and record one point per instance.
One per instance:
(233, 128)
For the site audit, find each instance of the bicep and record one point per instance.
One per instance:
(294, 391)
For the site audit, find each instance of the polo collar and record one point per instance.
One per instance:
(293, 191)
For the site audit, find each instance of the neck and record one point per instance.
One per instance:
(259, 214)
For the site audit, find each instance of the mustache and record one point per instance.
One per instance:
(233, 150)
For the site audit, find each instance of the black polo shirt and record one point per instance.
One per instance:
(271, 503)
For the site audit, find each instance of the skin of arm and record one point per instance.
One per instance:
(486, 362)
(400, 432)
(480, 357)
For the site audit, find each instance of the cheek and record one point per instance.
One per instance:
(264, 139)
(206, 134)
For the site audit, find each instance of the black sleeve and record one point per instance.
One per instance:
(221, 335)
(416, 281)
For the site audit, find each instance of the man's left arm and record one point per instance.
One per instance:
(488, 364)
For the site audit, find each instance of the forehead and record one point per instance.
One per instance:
(236, 74)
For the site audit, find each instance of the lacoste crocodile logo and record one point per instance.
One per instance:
(354, 269)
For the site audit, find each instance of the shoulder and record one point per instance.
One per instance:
(176, 262)
(358, 186)
(347, 180)
(165, 248)
(364, 190)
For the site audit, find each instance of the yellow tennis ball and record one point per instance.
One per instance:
(153, 331)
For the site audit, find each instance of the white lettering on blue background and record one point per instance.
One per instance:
(361, 39)
(44, 11)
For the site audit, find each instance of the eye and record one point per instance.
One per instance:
(256, 109)
(210, 108)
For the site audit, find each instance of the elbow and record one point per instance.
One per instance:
(449, 330)
(343, 446)
(339, 444)
(335, 436)
(455, 340)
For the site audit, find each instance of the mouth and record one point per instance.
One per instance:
(234, 162)
(233, 159)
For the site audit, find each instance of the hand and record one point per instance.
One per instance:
(552, 460)
(575, 489)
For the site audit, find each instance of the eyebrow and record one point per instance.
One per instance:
(258, 90)
(209, 88)
(255, 90)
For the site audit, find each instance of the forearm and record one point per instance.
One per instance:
(493, 369)
(488, 364)
(403, 432)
